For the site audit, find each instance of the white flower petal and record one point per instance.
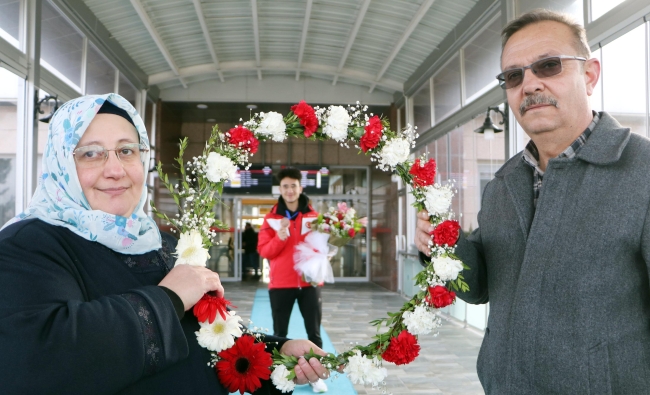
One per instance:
(190, 250)
(279, 379)
(221, 334)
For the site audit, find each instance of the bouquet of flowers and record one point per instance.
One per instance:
(238, 355)
(340, 223)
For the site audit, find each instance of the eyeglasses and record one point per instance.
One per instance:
(543, 68)
(96, 155)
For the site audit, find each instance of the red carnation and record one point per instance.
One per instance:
(241, 137)
(351, 232)
(447, 232)
(423, 174)
(207, 307)
(373, 134)
(307, 117)
(440, 297)
(402, 349)
(242, 366)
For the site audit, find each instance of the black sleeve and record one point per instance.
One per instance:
(179, 307)
(54, 339)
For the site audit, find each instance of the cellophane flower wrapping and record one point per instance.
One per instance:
(312, 258)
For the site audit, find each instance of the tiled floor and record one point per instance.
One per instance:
(446, 365)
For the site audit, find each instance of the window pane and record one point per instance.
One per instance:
(127, 90)
(9, 21)
(571, 7)
(482, 60)
(446, 90)
(422, 108)
(10, 85)
(600, 7)
(100, 74)
(61, 46)
(624, 67)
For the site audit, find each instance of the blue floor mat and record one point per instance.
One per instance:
(338, 384)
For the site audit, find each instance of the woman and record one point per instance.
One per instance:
(90, 300)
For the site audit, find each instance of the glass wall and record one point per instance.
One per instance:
(446, 90)
(127, 90)
(624, 65)
(482, 61)
(9, 21)
(600, 7)
(572, 7)
(422, 108)
(61, 46)
(10, 86)
(100, 73)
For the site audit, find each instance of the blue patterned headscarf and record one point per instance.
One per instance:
(59, 199)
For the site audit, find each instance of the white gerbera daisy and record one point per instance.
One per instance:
(220, 334)
(190, 250)
(280, 379)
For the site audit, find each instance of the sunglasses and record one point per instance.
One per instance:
(543, 68)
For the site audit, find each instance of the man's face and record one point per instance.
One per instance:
(559, 102)
(290, 189)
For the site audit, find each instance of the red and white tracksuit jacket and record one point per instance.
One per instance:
(279, 252)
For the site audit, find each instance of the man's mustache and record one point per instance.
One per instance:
(536, 100)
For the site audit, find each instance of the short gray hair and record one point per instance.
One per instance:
(541, 15)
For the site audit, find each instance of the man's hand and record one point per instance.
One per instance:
(306, 371)
(283, 232)
(423, 230)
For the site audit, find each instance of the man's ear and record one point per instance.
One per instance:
(592, 74)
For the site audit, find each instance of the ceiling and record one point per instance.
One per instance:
(376, 44)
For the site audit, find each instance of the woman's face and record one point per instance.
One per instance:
(113, 187)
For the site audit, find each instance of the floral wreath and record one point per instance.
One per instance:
(238, 354)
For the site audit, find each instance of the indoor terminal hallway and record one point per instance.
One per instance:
(446, 365)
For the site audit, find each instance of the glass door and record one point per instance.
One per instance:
(224, 258)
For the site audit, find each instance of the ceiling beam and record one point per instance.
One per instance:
(352, 37)
(206, 34)
(256, 34)
(303, 40)
(400, 43)
(156, 38)
(277, 65)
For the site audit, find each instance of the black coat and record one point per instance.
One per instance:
(79, 318)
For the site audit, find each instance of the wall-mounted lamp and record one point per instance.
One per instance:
(488, 128)
(37, 108)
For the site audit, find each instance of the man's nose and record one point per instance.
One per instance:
(531, 82)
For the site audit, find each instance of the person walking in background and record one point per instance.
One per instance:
(251, 257)
(562, 251)
(284, 227)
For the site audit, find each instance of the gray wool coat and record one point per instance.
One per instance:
(567, 281)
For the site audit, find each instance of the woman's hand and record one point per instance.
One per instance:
(422, 232)
(191, 282)
(306, 371)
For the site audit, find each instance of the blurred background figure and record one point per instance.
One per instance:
(251, 259)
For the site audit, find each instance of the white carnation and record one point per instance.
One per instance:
(280, 380)
(272, 124)
(395, 151)
(220, 168)
(421, 321)
(361, 370)
(447, 268)
(337, 123)
(437, 199)
(190, 250)
(220, 334)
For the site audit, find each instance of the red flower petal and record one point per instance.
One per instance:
(440, 297)
(447, 232)
(423, 174)
(242, 366)
(372, 135)
(207, 307)
(402, 349)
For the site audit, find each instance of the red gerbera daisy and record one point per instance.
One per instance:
(242, 366)
(402, 349)
(207, 307)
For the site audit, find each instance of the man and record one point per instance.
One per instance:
(249, 242)
(285, 226)
(562, 251)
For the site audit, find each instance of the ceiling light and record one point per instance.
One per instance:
(251, 106)
(210, 120)
(202, 106)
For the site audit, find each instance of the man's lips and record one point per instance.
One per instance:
(536, 106)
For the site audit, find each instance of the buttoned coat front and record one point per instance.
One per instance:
(567, 280)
